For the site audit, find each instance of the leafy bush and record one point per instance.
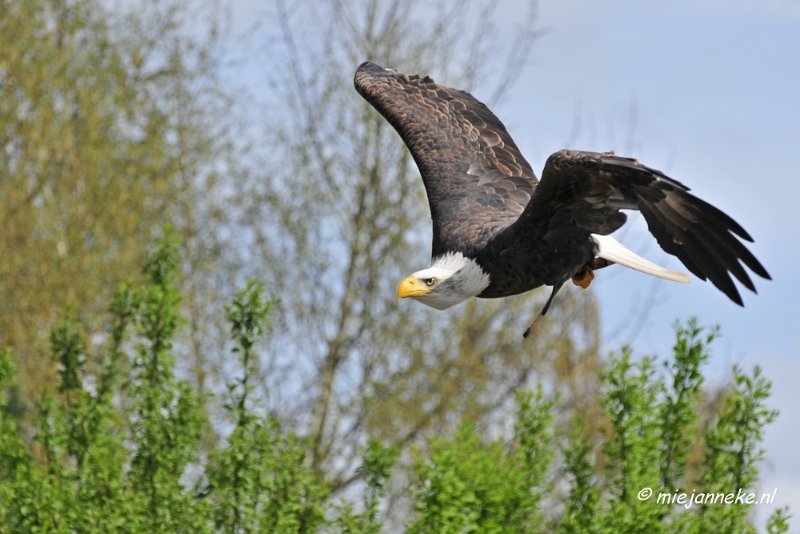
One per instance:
(121, 444)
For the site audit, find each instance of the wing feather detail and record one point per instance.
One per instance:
(476, 179)
(584, 191)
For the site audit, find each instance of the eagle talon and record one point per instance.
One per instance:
(583, 277)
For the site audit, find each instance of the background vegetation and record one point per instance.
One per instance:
(118, 445)
(353, 414)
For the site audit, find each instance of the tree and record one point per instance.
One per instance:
(334, 215)
(116, 121)
(326, 207)
(104, 136)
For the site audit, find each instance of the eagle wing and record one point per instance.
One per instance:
(583, 192)
(476, 179)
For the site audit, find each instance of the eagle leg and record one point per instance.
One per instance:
(599, 263)
(583, 277)
(532, 327)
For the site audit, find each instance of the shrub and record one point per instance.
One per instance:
(121, 444)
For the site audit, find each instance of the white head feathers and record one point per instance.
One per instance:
(450, 280)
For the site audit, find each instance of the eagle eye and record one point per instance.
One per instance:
(430, 282)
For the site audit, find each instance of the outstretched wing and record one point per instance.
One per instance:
(584, 191)
(476, 179)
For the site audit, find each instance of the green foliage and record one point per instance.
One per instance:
(102, 137)
(652, 428)
(260, 482)
(167, 420)
(114, 450)
(121, 444)
(465, 485)
(778, 522)
(378, 461)
(583, 498)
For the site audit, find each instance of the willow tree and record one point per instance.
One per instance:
(103, 138)
(334, 214)
(115, 121)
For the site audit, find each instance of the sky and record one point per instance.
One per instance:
(714, 86)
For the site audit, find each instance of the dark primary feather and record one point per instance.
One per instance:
(586, 190)
(486, 202)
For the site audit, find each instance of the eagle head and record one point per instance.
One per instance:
(451, 279)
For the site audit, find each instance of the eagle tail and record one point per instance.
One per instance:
(612, 250)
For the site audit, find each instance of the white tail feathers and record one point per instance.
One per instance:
(612, 250)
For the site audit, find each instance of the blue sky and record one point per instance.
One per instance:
(716, 88)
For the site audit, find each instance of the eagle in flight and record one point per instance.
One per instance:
(498, 231)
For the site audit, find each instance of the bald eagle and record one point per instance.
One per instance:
(499, 231)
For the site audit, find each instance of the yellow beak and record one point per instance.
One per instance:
(411, 287)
